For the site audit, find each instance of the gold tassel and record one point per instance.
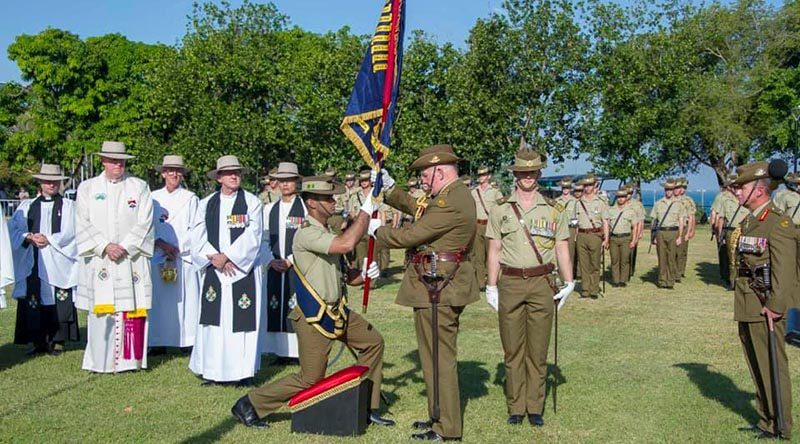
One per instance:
(733, 243)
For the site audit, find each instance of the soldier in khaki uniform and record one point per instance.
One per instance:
(357, 198)
(592, 237)
(417, 194)
(270, 192)
(570, 204)
(623, 220)
(317, 256)
(486, 199)
(726, 215)
(788, 199)
(668, 215)
(765, 244)
(521, 285)
(690, 210)
(634, 200)
(446, 227)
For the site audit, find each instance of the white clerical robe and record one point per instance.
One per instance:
(119, 212)
(176, 304)
(219, 353)
(279, 343)
(6, 263)
(58, 262)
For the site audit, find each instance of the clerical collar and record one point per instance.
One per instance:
(45, 198)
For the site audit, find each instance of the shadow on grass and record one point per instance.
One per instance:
(720, 388)
(25, 407)
(214, 434)
(555, 377)
(472, 379)
(708, 273)
(411, 376)
(651, 276)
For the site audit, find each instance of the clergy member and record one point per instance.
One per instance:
(281, 221)
(226, 241)
(176, 292)
(46, 257)
(114, 230)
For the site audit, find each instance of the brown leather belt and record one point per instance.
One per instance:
(526, 273)
(620, 235)
(441, 256)
(668, 228)
(590, 230)
(483, 221)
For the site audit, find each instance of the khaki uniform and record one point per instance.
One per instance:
(689, 209)
(269, 196)
(622, 221)
(733, 215)
(570, 204)
(638, 208)
(670, 214)
(788, 202)
(591, 214)
(381, 252)
(526, 304)
(485, 201)
(768, 238)
(322, 270)
(356, 199)
(447, 225)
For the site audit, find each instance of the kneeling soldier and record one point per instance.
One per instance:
(319, 275)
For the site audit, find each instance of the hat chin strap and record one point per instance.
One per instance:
(528, 189)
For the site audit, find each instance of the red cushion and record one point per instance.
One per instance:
(334, 380)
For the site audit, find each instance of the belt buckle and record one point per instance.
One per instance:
(525, 273)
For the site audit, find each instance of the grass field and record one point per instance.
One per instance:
(639, 365)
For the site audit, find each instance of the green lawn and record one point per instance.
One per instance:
(639, 365)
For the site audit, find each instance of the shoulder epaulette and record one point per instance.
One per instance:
(305, 224)
(501, 201)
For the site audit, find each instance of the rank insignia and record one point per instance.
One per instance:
(102, 274)
(244, 302)
(131, 203)
(211, 294)
(441, 203)
(785, 223)
(62, 295)
(273, 302)
(135, 278)
(100, 196)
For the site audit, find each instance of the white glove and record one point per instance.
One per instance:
(562, 295)
(388, 182)
(373, 272)
(374, 224)
(492, 297)
(368, 206)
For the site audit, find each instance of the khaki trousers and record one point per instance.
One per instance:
(314, 350)
(590, 247)
(755, 343)
(526, 317)
(620, 250)
(683, 253)
(667, 257)
(479, 255)
(449, 424)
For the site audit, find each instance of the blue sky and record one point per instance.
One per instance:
(165, 21)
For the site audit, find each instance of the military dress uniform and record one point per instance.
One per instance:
(485, 201)
(622, 225)
(526, 287)
(592, 217)
(668, 214)
(570, 204)
(766, 244)
(447, 227)
(689, 209)
(323, 273)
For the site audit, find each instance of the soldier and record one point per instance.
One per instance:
(442, 235)
(416, 194)
(731, 216)
(690, 209)
(467, 180)
(766, 259)
(788, 199)
(592, 237)
(634, 200)
(570, 204)
(357, 198)
(486, 199)
(270, 193)
(623, 219)
(667, 223)
(527, 233)
(318, 259)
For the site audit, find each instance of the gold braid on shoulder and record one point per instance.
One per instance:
(733, 243)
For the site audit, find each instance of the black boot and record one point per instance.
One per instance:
(245, 413)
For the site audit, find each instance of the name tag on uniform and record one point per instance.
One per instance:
(238, 221)
(544, 228)
(752, 245)
(293, 223)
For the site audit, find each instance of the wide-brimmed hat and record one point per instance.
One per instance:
(413, 182)
(49, 171)
(565, 182)
(330, 172)
(578, 187)
(227, 163)
(466, 178)
(669, 184)
(623, 192)
(321, 185)
(774, 170)
(435, 155)
(527, 160)
(484, 169)
(171, 161)
(114, 150)
(350, 175)
(793, 178)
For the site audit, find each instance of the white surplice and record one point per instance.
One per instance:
(176, 305)
(58, 262)
(6, 263)
(119, 212)
(219, 353)
(279, 343)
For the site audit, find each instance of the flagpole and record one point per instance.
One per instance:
(388, 85)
